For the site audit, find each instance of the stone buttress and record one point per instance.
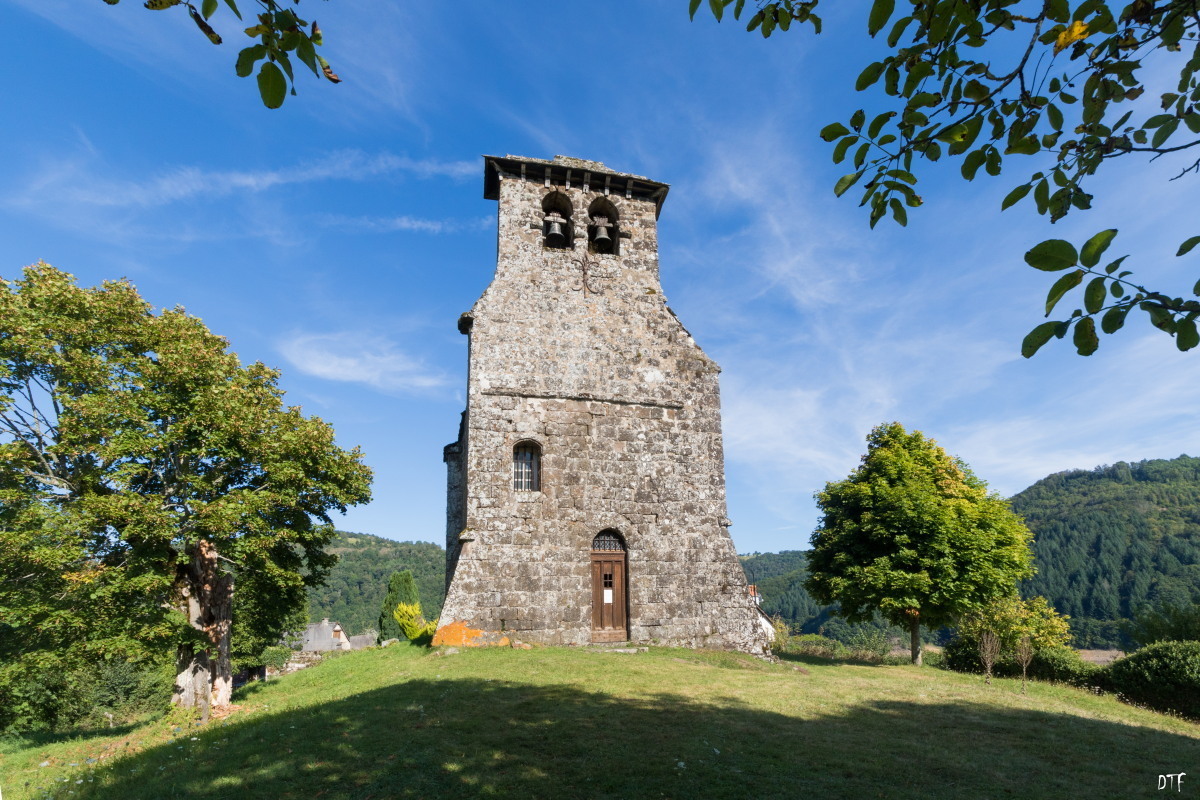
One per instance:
(586, 487)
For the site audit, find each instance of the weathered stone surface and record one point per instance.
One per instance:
(577, 351)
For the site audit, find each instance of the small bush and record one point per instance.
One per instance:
(1056, 664)
(782, 634)
(930, 658)
(1164, 676)
(813, 644)
(277, 657)
(868, 644)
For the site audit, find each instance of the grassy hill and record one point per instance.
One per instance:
(357, 584)
(562, 723)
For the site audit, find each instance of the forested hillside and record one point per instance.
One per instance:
(1113, 539)
(357, 584)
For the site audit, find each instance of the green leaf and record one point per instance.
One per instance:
(1163, 133)
(1094, 248)
(1039, 336)
(839, 151)
(1055, 116)
(272, 86)
(1186, 335)
(857, 119)
(898, 212)
(1113, 319)
(717, 7)
(693, 6)
(1094, 295)
(1085, 337)
(877, 124)
(845, 182)
(208, 8)
(233, 7)
(868, 76)
(246, 59)
(1015, 195)
(881, 12)
(898, 31)
(833, 130)
(1061, 286)
(1052, 255)
(1025, 146)
(1186, 247)
(972, 163)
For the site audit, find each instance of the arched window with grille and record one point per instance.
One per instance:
(527, 467)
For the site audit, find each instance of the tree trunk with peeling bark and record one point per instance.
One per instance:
(203, 674)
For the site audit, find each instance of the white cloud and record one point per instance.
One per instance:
(363, 358)
(76, 182)
(406, 223)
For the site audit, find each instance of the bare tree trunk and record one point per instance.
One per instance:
(203, 674)
(1025, 656)
(989, 651)
(914, 628)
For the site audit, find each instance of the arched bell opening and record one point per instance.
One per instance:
(558, 233)
(610, 585)
(603, 229)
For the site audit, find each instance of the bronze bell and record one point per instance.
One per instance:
(600, 236)
(555, 235)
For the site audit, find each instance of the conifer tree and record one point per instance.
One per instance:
(402, 588)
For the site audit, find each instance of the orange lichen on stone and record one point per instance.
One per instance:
(457, 634)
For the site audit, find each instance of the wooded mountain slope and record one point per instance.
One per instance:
(357, 584)
(1113, 539)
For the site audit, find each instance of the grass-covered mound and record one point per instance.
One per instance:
(562, 723)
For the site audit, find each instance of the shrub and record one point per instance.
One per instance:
(412, 625)
(930, 658)
(1164, 676)
(277, 657)
(782, 634)
(813, 644)
(1057, 664)
(867, 643)
(58, 695)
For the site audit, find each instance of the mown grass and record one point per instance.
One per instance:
(563, 723)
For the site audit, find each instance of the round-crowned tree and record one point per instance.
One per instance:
(143, 470)
(914, 534)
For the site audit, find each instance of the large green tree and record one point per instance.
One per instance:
(914, 534)
(142, 470)
(996, 83)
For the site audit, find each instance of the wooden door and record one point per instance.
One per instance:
(608, 597)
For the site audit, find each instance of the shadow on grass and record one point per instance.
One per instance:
(23, 741)
(830, 661)
(479, 738)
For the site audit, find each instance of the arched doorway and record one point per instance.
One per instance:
(609, 618)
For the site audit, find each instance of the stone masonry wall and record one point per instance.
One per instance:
(578, 352)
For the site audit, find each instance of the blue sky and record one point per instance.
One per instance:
(340, 237)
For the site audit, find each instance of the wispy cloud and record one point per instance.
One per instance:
(363, 358)
(77, 182)
(405, 223)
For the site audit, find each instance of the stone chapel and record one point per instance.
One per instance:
(586, 489)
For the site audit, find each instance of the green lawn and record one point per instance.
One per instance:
(563, 723)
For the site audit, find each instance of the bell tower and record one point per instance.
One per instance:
(586, 489)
